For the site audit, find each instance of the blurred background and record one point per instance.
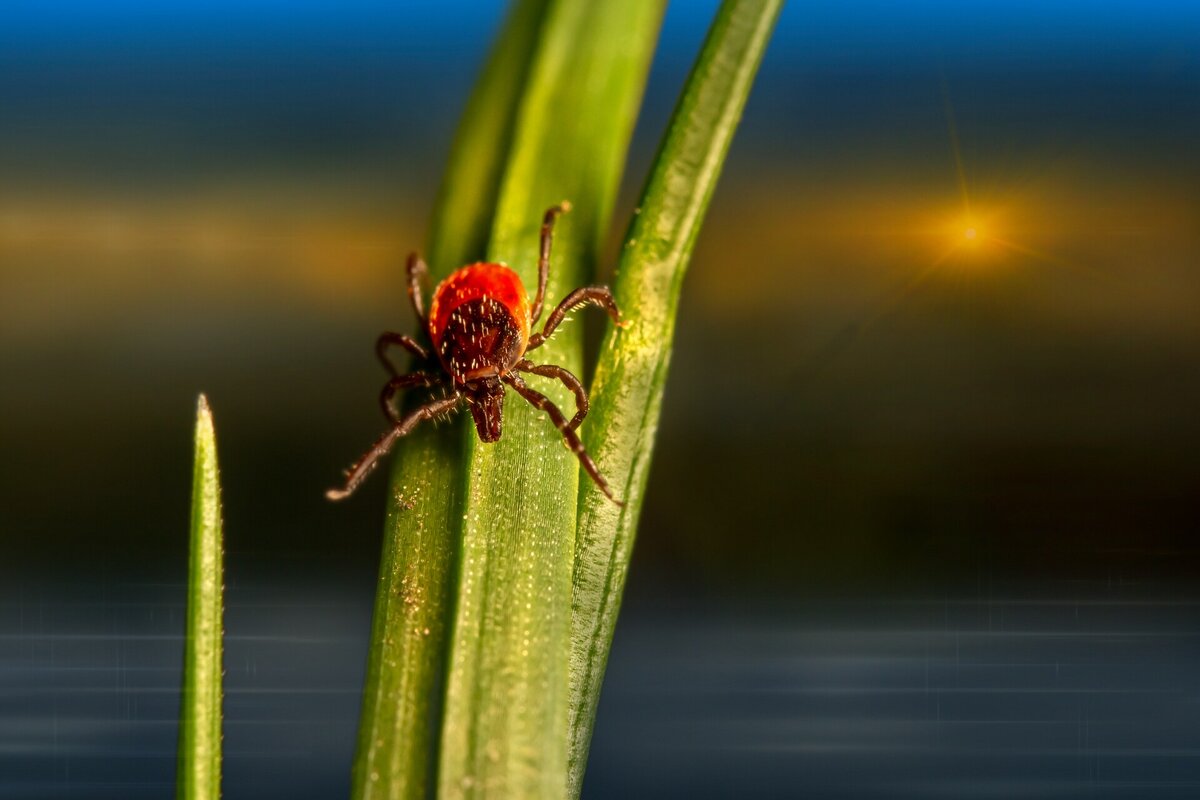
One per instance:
(923, 516)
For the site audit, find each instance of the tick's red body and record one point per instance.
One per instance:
(479, 321)
(479, 324)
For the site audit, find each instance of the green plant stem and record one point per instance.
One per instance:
(199, 776)
(628, 387)
(398, 731)
(505, 724)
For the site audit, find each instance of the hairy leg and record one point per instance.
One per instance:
(542, 403)
(535, 311)
(417, 271)
(389, 338)
(593, 295)
(568, 379)
(362, 468)
(422, 379)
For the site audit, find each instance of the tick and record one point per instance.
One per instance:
(479, 325)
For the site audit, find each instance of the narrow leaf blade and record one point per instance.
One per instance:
(199, 775)
(505, 725)
(398, 731)
(628, 387)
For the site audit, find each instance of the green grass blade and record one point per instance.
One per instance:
(398, 731)
(627, 390)
(466, 206)
(505, 724)
(199, 775)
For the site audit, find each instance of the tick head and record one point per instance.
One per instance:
(487, 408)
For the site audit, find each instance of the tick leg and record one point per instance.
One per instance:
(535, 311)
(542, 403)
(568, 379)
(423, 379)
(407, 342)
(417, 272)
(595, 295)
(362, 468)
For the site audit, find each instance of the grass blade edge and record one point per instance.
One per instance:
(630, 376)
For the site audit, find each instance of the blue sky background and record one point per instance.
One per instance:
(84, 86)
(859, 32)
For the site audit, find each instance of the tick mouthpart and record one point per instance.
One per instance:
(487, 410)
